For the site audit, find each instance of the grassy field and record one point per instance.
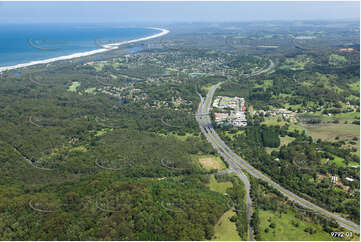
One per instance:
(80, 148)
(231, 135)
(225, 230)
(342, 117)
(90, 90)
(355, 86)
(266, 84)
(329, 131)
(340, 162)
(293, 125)
(74, 86)
(251, 110)
(210, 162)
(285, 230)
(101, 132)
(220, 187)
(284, 141)
(297, 63)
(181, 137)
(336, 59)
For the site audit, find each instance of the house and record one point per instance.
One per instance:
(220, 117)
(291, 115)
(239, 123)
(90, 63)
(349, 179)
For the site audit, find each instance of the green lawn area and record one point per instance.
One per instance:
(297, 63)
(355, 86)
(79, 148)
(225, 230)
(220, 187)
(266, 84)
(294, 106)
(346, 116)
(231, 135)
(329, 131)
(285, 95)
(342, 117)
(90, 90)
(274, 121)
(101, 132)
(340, 162)
(74, 86)
(284, 141)
(336, 59)
(337, 160)
(250, 110)
(181, 137)
(285, 230)
(210, 162)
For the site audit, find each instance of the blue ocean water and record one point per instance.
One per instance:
(22, 43)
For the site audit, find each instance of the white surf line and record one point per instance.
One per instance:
(87, 53)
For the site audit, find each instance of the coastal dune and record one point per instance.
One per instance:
(87, 53)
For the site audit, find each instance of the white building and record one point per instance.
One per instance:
(349, 179)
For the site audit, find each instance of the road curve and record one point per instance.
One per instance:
(270, 67)
(238, 164)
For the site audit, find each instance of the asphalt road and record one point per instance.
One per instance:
(238, 164)
(270, 67)
(204, 123)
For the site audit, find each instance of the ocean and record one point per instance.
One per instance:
(22, 43)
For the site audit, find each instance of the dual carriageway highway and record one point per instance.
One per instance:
(239, 166)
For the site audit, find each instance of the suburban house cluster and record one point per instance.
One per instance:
(231, 111)
(277, 112)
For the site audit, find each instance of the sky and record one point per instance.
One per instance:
(170, 12)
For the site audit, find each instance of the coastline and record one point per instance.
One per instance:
(87, 53)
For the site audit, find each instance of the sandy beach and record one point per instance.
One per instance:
(87, 53)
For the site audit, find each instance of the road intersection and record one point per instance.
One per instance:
(238, 164)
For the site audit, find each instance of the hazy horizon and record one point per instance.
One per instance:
(172, 12)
